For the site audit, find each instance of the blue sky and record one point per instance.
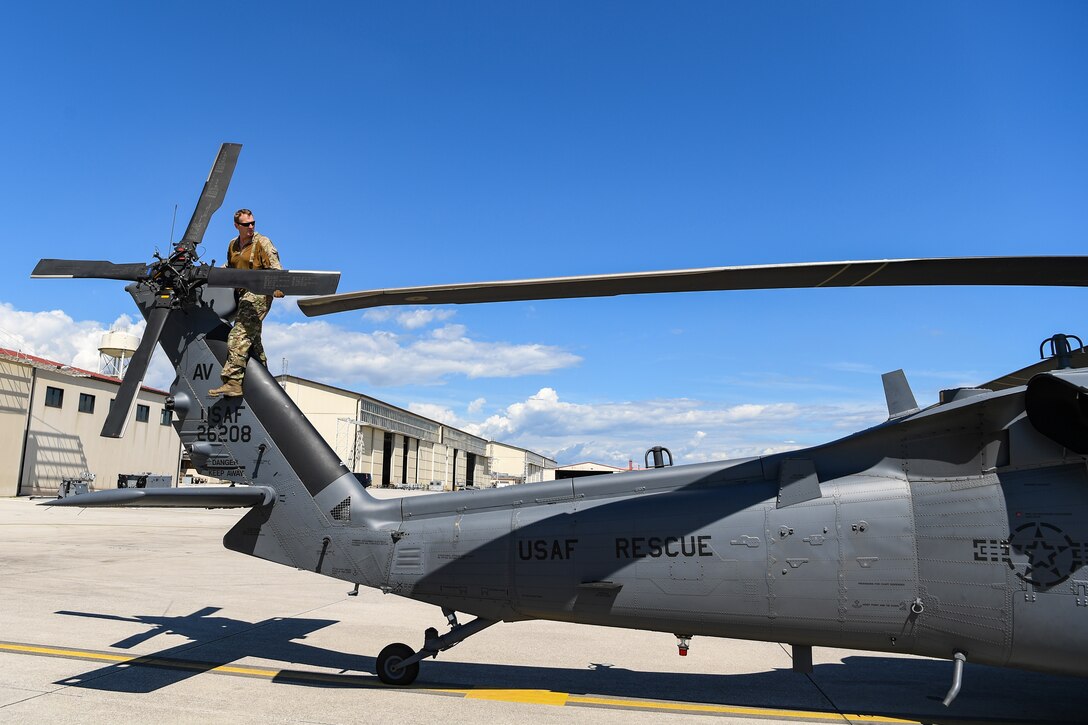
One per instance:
(416, 143)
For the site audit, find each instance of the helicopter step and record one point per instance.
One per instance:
(397, 664)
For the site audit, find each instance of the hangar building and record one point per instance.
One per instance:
(51, 416)
(511, 465)
(395, 446)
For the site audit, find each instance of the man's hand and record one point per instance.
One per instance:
(278, 294)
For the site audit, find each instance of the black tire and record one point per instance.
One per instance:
(388, 665)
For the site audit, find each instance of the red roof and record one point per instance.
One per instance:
(42, 362)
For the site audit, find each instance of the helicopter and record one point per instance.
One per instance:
(957, 531)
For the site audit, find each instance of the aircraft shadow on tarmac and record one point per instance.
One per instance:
(890, 686)
(214, 642)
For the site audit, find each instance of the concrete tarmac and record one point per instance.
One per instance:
(142, 616)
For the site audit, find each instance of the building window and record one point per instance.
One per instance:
(86, 403)
(164, 419)
(143, 413)
(54, 397)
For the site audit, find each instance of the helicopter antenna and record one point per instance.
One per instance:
(172, 220)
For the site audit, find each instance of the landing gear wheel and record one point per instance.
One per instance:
(389, 670)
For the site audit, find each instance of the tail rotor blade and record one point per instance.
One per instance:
(211, 198)
(267, 281)
(88, 269)
(130, 386)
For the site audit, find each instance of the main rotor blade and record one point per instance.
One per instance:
(1077, 359)
(130, 385)
(211, 198)
(267, 281)
(1027, 271)
(69, 268)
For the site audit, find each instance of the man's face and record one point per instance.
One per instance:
(245, 226)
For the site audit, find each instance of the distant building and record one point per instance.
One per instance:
(511, 465)
(51, 417)
(588, 468)
(395, 446)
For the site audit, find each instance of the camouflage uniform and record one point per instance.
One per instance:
(245, 336)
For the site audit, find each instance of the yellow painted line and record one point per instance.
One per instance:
(180, 664)
(58, 652)
(527, 697)
(729, 710)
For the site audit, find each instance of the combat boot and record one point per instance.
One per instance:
(229, 389)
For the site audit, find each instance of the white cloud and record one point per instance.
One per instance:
(326, 352)
(412, 319)
(55, 335)
(415, 319)
(610, 432)
(545, 408)
(317, 350)
(449, 332)
(853, 367)
(694, 431)
(384, 314)
(440, 413)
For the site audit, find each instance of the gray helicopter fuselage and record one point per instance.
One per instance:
(972, 548)
(957, 528)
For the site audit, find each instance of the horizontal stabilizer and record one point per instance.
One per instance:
(211, 497)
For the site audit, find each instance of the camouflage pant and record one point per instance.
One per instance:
(245, 337)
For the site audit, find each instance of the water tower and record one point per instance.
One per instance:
(116, 349)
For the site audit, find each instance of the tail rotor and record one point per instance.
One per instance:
(175, 281)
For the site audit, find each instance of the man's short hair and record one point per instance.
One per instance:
(238, 214)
